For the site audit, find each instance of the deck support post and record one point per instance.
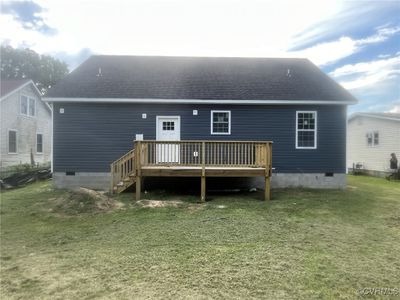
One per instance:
(112, 179)
(267, 187)
(267, 192)
(203, 172)
(138, 168)
(203, 189)
(138, 187)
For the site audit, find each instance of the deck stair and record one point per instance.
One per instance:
(122, 172)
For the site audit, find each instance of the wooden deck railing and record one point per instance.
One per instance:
(193, 158)
(122, 168)
(204, 153)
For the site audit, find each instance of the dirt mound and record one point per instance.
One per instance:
(169, 203)
(84, 200)
(158, 203)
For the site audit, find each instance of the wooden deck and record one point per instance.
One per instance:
(192, 159)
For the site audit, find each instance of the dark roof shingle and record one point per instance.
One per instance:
(214, 78)
(9, 85)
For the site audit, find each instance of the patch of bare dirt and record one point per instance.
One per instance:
(169, 203)
(84, 200)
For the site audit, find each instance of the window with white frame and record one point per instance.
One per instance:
(220, 122)
(24, 105)
(39, 143)
(372, 138)
(12, 141)
(369, 139)
(306, 130)
(28, 106)
(376, 138)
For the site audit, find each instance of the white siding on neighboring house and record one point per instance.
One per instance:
(372, 157)
(27, 127)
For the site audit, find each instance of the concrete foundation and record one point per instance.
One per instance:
(309, 180)
(96, 181)
(101, 181)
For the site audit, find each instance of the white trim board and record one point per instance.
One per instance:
(198, 101)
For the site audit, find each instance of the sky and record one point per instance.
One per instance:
(357, 43)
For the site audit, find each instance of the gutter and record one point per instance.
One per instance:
(196, 101)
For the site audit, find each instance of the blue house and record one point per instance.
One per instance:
(200, 114)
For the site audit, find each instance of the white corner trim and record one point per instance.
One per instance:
(196, 101)
(315, 129)
(52, 138)
(229, 122)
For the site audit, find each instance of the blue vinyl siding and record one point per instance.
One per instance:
(89, 136)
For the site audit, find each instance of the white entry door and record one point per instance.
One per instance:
(168, 129)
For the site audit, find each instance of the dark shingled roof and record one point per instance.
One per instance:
(214, 78)
(9, 85)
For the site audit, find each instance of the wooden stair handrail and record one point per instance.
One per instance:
(122, 168)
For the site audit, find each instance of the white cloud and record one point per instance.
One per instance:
(185, 27)
(175, 27)
(382, 34)
(333, 51)
(395, 108)
(363, 74)
(329, 52)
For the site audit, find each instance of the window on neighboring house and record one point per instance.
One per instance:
(24, 105)
(306, 130)
(39, 143)
(376, 138)
(372, 138)
(12, 141)
(220, 122)
(369, 138)
(32, 107)
(28, 106)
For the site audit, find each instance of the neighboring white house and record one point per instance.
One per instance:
(371, 138)
(25, 124)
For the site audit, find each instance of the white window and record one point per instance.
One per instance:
(24, 105)
(376, 138)
(39, 143)
(12, 141)
(306, 130)
(372, 138)
(28, 106)
(369, 139)
(220, 122)
(32, 107)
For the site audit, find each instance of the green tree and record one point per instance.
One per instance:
(44, 70)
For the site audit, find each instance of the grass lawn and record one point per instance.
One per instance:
(303, 244)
